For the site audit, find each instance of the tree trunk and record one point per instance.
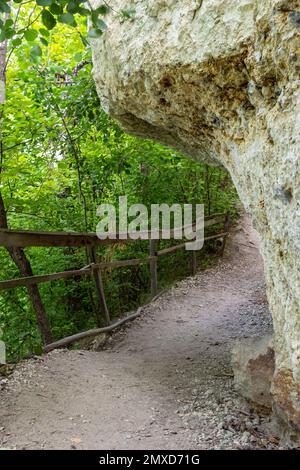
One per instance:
(24, 267)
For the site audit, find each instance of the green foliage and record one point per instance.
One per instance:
(50, 13)
(30, 34)
(4, 6)
(48, 19)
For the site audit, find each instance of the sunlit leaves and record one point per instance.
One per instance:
(16, 41)
(30, 34)
(35, 51)
(51, 12)
(44, 32)
(78, 57)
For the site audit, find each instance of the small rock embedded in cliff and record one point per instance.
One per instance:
(253, 363)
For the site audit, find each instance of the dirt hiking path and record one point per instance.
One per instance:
(163, 382)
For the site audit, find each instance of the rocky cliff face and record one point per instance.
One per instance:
(219, 81)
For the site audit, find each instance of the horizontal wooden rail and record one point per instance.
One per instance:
(171, 249)
(24, 238)
(27, 281)
(217, 235)
(120, 263)
(214, 220)
(19, 238)
(215, 215)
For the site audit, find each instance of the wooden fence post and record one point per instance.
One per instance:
(153, 268)
(103, 313)
(194, 262)
(226, 229)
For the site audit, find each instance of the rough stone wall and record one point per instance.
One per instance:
(219, 81)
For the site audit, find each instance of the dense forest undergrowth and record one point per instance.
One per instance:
(61, 156)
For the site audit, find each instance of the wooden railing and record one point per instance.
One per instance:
(21, 239)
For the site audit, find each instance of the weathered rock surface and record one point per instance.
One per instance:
(219, 80)
(253, 364)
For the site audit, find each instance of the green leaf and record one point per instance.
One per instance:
(30, 34)
(78, 56)
(4, 7)
(67, 18)
(56, 9)
(16, 42)
(9, 33)
(72, 7)
(44, 41)
(103, 9)
(95, 33)
(43, 3)
(48, 19)
(84, 41)
(94, 16)
(83, 11)
(100, 24)
(8, 23)
(36, 51)
(44, 32)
